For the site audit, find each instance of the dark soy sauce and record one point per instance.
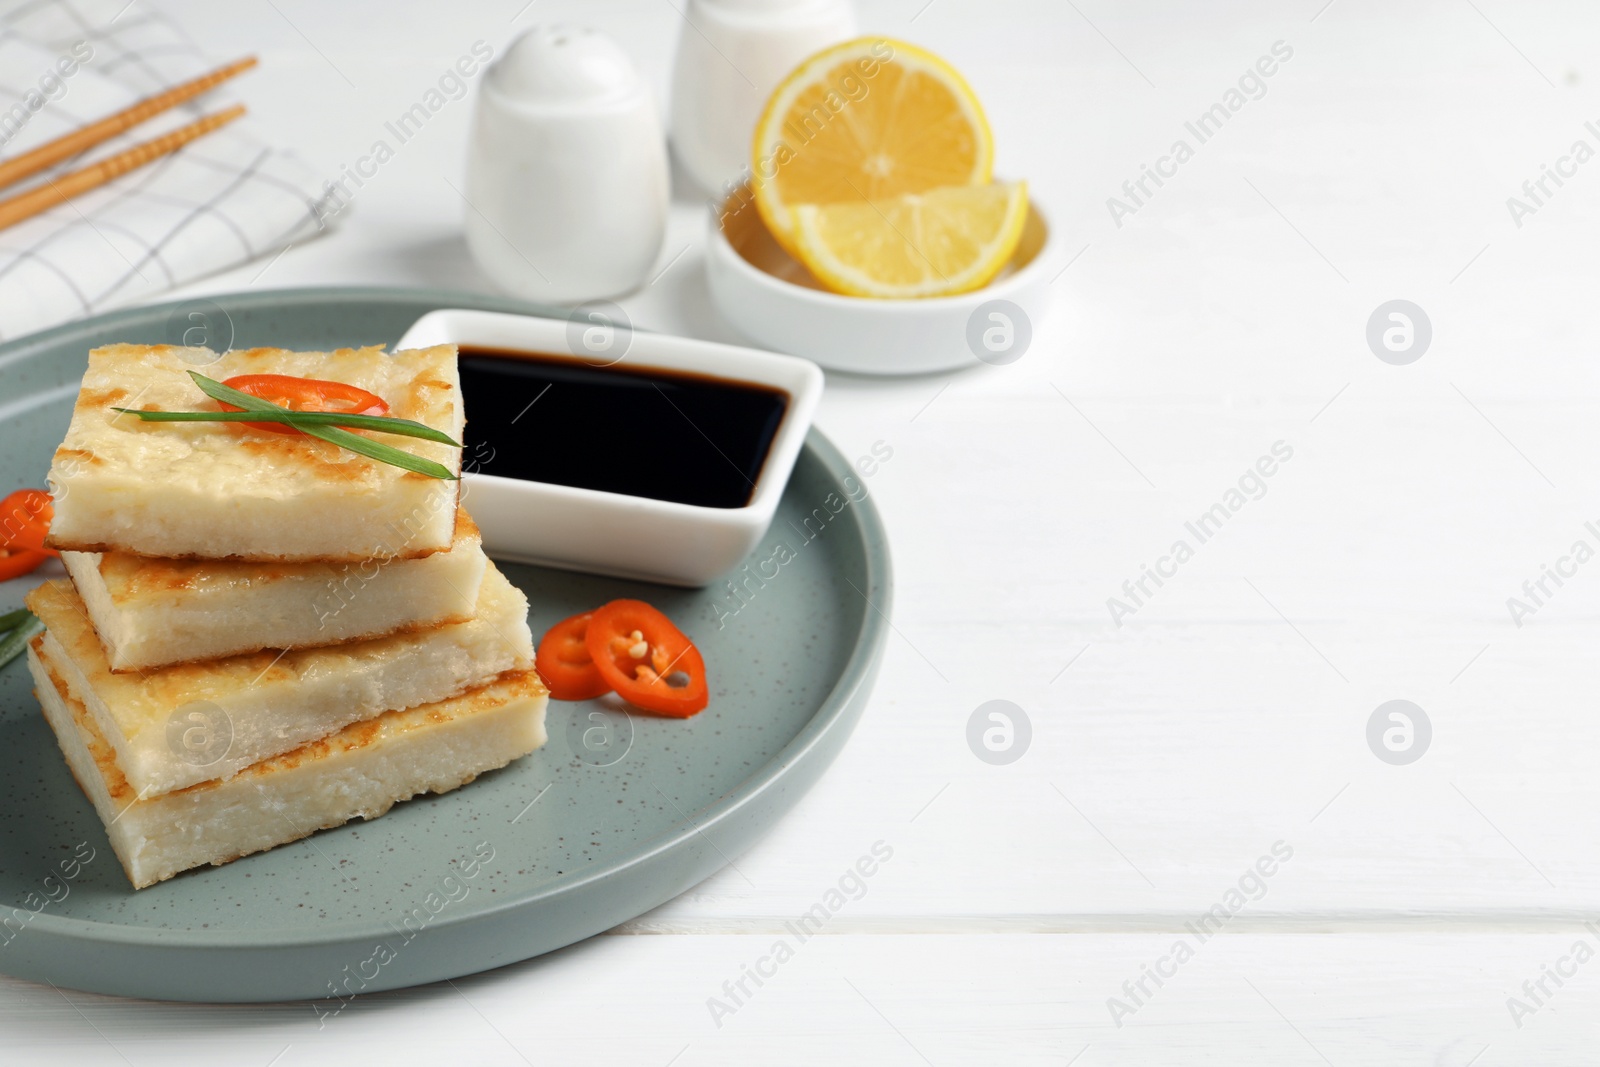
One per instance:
(641, 432)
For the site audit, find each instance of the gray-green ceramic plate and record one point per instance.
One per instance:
(614, 816)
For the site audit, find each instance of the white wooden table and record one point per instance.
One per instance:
(1224, 716)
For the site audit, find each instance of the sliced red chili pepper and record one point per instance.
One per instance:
(639, 652)
(15, 562)
(25, 520)
(303, 394)
(563, 661)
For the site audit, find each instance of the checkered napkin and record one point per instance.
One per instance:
(222, 200)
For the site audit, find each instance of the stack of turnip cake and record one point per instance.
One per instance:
(266, 634)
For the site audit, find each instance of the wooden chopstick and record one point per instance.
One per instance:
(64, 188)
(46, 155)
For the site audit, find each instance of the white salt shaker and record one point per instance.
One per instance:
(566, 170)
(730, 58)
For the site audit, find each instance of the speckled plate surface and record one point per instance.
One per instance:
(614, 816)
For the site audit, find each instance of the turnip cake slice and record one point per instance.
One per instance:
(191, 722)
(210, 490)
(362, 770)
(152, 612)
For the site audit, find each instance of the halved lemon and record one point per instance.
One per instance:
(867, 120)
(936, 243)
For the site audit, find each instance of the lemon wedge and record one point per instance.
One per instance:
(937, 243)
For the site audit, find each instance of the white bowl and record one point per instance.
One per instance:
(776, 302)
(612, 533)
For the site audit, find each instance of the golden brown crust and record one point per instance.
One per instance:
(165, 574)
(99, 750)
(354, 736)
(317, 459)
(34, 599)
(80, 453)
(79, 546)
(103, 398)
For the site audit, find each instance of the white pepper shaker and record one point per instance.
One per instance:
(567, 177)
(731, 56)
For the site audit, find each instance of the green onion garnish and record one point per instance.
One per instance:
(323, 425)
(17, 640)
(380, 423)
